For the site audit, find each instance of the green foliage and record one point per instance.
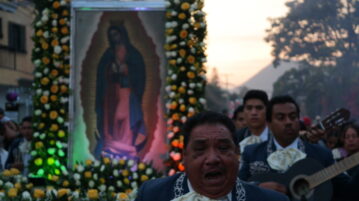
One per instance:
(321, 32)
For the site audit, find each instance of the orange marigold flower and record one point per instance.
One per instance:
(64, 30)
(54, 89)
(182, 52)
(54, 72)
(38, 193)
(182, 108)
(53, 98)
(62, 21)
(92, 194)
(54, 127)
(45, 60)
(44, 45)
(192, 100)
(39, 145)
(53, 114)
(45, 81)
(56, 4)
(191, 59)
(44, 99)
(182, 16)
(54, 42)
(183, 34)
(185, 6)
(65, 13)
(54, 29)
(191, 75)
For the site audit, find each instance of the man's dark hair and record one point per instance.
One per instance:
(256, 94)
(239, 109)
(208, 117)
(280, 100)
(27, 119)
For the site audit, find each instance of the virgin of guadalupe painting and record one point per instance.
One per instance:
(119, 106)
(120, 86)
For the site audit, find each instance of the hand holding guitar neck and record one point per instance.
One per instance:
(334, 120)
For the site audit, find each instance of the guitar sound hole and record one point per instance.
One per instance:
(301, 187)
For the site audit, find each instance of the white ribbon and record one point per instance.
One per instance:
(253, 139)
(283, 159)
(193, 196)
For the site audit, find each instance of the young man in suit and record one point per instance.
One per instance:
(211, 166)
(283, 120)
(254, 109)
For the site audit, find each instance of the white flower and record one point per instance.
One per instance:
(45, 18)
(37, 49)
(192, 85)
(46, 71)
(185, 26)
(38, 74)
(193, 50)
(46, 93)
(36, 134)
(77, 176)
(173, 13)
(135, 175)
(181, 101)
(199, 85)
(111, 188)
(115, 173)
(91, 184)
(190, 109)
(204, 60)
(134, 184)
(183, 84)
(80, 168)
(62, 3)
(182, 43)
(39, 23)
(168, 4)
(51, 193)
(193, 68)
(42, 136)
(38, 112)
(57, 63)
(174, 77)
(95, 176)
(60, 120)
(57, 49)
(168, 54)
(183, 119)
(75, 194)
(45, 11)
(64, 172)
(149, 171)
(9, 185)
(47, 106)
(189, 92)
(202, 100)
(37, 62)
(2, 194)
(65, 39)
(119, 183)
(46, 34)
(33, 153)
(102, 188)
(179, 60)
(168, 88)
(177, 1)
(77, 183)
(102, 168)
(54, 23)
(131, 163)
(26, 195)
(172, 94)
(1, 182)
(168, 25)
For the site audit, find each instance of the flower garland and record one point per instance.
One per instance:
(185, 52)
(50, 55)
(95, 180)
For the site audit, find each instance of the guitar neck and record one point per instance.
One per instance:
(333, 170)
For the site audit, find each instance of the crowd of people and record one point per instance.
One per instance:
(224, 158)
(15, 143)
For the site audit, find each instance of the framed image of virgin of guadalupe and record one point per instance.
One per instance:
(117, 80)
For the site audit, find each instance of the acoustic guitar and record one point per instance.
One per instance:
(306, 180)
